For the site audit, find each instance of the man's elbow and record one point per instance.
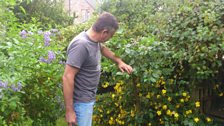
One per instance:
(64, 78)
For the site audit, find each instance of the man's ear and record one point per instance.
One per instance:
(105, 31)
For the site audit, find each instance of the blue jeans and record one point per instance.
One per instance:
(84, 113)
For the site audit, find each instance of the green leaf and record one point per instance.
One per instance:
(23, 10)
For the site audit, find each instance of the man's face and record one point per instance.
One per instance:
(106, 35)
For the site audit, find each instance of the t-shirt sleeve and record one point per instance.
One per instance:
(76, 55)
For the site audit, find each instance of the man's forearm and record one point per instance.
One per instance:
(121, 65)
(68, 87)
(110, 55)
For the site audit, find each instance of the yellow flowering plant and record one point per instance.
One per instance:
(159, 91)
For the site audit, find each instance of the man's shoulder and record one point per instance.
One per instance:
(80, 39)
(77, 42)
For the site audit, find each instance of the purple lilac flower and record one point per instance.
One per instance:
(14, 88)
(51, 55)
(3, 84)
(47, 38)
(43, 60)
(23, 34)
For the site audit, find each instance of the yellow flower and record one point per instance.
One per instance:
(117, 88)
(111, 121)
(100, 110)
(149, 124)
(163, 82)
(176, 115)
(159, 113)
(119, 121)
(105, 85)
(196, 119)
(197, 104)
(208, 119)
(169, 98)
(113, 95)
(184, 94)
(132, 113)
(221, 94)
(168, 112)
(158, 96)
(148, 95)
(188, 112)
(178, 106)
(164, 107)
(161, 121)
(171, 81)
(182, 100)
(217, 86)
(164, 91)
(138, 85)
(140, 94)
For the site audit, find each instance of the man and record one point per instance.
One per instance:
(82, 70)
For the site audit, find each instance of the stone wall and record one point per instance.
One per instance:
(82, 8)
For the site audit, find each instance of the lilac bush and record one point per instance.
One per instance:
(30, 72)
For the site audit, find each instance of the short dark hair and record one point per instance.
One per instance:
(105, 21)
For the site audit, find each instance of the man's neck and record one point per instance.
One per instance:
(93, 36)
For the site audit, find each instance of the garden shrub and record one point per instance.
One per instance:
(31, 70)
(152, 94)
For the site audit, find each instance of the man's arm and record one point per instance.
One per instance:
(110, 55)
(68, 88)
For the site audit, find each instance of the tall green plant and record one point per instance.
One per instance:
(30, 72)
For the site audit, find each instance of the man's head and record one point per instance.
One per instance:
(105, 26)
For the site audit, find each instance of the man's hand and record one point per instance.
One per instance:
(124, 67)
(70, 118)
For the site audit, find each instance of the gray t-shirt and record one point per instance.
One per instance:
(85, 54)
